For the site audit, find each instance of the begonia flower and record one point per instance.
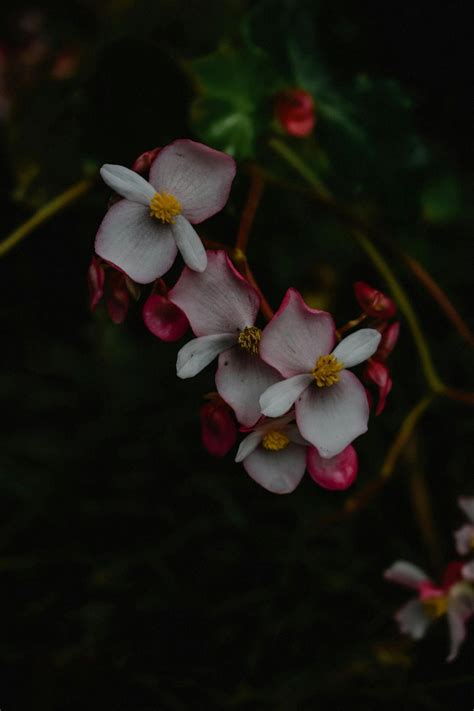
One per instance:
(115, 287)
(330, 402)
(274, 455)
(141, 234)
(374, 303)
(221, 308)
(336, 473)
(454, 598)
(465, 535)
(218, 427)
(294, 109)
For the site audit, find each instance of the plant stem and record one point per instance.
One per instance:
(250, 209)
(45, 213)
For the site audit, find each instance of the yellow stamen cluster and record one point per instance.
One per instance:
(165, 207)
(435, 606)
(249, 339)
(275, 441)
(326, 370)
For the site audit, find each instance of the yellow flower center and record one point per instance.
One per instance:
(326, 370)
(165, 207)
(249, 339)
(436, 606)
(275, 441)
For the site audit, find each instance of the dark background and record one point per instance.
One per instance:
(136, 571)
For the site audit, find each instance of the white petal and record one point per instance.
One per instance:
(189, 244)
(413, 619)
(127, 183)
(468, 571)
(460, 609)
(195, 355)
(136, 243)
(240, 379)
(357, 347)
(332, 417)
(198, 176)
(464, 537)
(280, 397)
(249, 444)
(279, 472)
(466, 503)
(407, 574)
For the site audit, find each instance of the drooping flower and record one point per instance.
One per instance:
(162, 317)
(454, 598)
(330, 402)
(294, 109)
(336, 473)
(221, 308)
(218, 427)
(115, 287)
(141, 234)
(465, 535)
(374, 303)
(274, 455)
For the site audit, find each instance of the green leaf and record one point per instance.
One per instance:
(441, 200)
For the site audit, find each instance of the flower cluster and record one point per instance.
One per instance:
(289, 385)
(453, 597)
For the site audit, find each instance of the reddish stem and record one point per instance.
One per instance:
(248, 215)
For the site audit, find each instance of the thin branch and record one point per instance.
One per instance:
(250, 209)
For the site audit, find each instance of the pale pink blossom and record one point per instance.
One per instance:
(454, 598)
(330, 402)
(221, 308)
(142, 234)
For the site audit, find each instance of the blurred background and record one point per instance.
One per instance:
(137, 571)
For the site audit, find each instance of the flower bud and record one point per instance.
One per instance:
(294, 109)
(95, 282)
(388, 341)
(336, 472)
(374, 303)
(163, 318)
(144, 161)
(218, 427)
(378, 374)
(117, 296)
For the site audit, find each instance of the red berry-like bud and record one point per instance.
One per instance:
(163, 318)
(294, 109)
(378, 374)
(144, 161)
(373, 302)
(335, 473)
(388, 341)
(218, 427)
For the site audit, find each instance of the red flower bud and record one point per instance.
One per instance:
(335, 473)
(388, 341)
(164, 319)
(452, 573)
(374, 303)
(144, 161)
(95, 282)
(105, 281)
(218, 427)
(294, 109)
(378, 373)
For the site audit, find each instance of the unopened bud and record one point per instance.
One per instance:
(374, 303)
(218, 427)
(294, 109)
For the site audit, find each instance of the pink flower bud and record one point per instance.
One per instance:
(373, 302)
(144, 161)
(163, 318)
(95, 282)
(117, 296)
(378, 374)
(218, 427)
(294, 109)
(388, 341)
(335, 473)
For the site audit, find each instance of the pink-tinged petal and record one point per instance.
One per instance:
(240, 379)
(127, 183)
(466, 503)
(117, 297)
(406, 574)
(248, 445)
(95, 282)
(336, 473)
(189, 244)
(413, 620)
(198, 176)
(389, 341)
(163, 318)
(217, 300)
(460, 609)
(143, 162)
(134, 242)
(218, 427)
(279, 472)
(457, 633)
(278, 399)
(294, 435)
(373, 302)
(378, 373)
(195, 355)
(357, 347)
(330, 418)
(468, 571)
(296, 336)
(464, 537)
